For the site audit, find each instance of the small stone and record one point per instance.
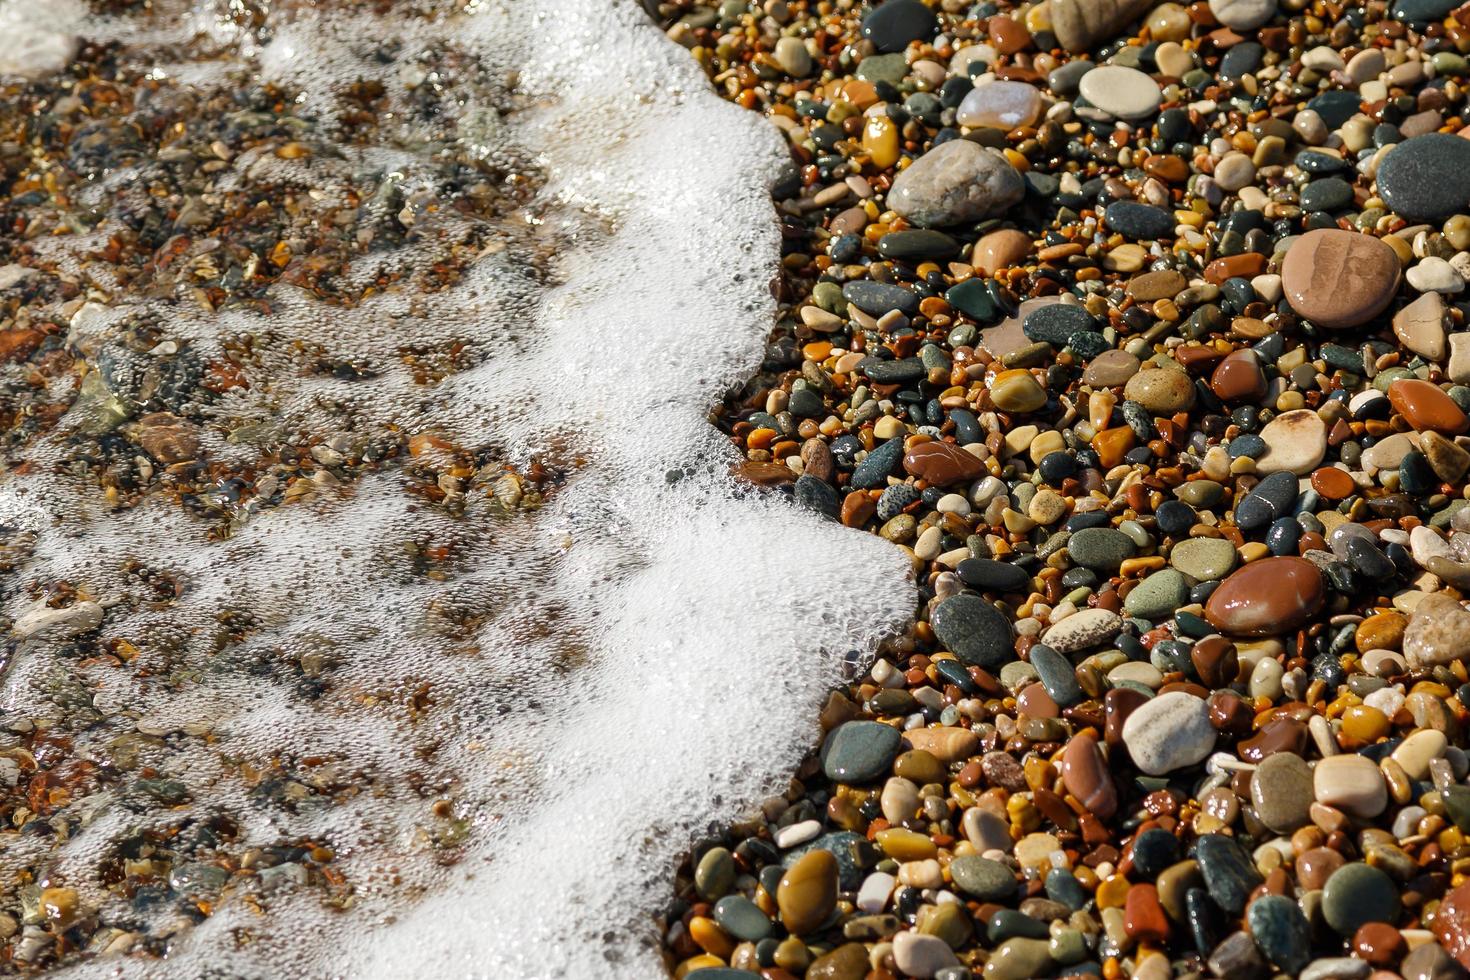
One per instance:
(791, 54)
(1227, 870)
(1430, 961)
(955, 182)
(1358, 893)
(983, 879)
(1350, 783)
(1281, 931)
(974, 630)
(1019, 959)
(1434, 274)
(1267, 597)
(1296, 442)
(715, 874)
(1438, 632)
(942, 463)
(1082, 630)
(1055, 324)
(892, 25)
(1281, 791)
(1339, 279)
(1162, 391)
(1140, 221)
(1423, 178)
(1101, 549)
(742, 918)
(859, 751)
(1000, 104)
(1204, 559)
(1426, 407)
(1169, 732)
(1086, 775)
(1001, 249)
(918, 955)
(1125, 93)
(1238, 377)
(1420, 326)
(1158, 596)
(1079, 24)
(1243, 15)
(1017, 391)
(807, 892)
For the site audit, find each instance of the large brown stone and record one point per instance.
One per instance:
(1339, 279)
(1426, 407)
(1266, 598)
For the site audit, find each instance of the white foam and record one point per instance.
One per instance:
(39, 36)
(629, 666)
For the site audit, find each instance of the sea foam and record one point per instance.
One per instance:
(609, 676)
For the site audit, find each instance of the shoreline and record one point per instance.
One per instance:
(1141, 330)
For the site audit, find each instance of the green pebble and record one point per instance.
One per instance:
(1203, 559)
(1158, 595)
(715, 875)
(1358, 893)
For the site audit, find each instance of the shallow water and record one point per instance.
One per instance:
(368, 417)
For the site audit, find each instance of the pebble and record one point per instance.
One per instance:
(1423, 178)
(954, 182)
(1243, 15)
(1350, 783)
(1227, 871)
(1426, 407)
(1082, 630)
(894, 24)
(807, 892)
(1161, 391)
(1358, 893)
(919, 955)
(1169, 732)
(859, 751)
(1281, 791)
(982, 878)
(1125, 93)
(1438, 632)
(1296, 442)
(1420, 326)
(1102, 549)
(1281, 931)
(1339, 279)
(1204, 559)
(974, 630)
(1001, 104)
(1140, 221)
(1158, 595)
(1267, 597)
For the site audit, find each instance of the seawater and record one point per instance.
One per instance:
(505, 722)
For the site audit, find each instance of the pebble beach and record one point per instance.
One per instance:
(1140, 329)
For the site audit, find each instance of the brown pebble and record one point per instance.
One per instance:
(1267, 597)
(1085, 773)
(1426, 407)
(1314, 867)
(942, 463)
(1452, 924)
(1215, 661)
(1143, 916)
(1339, 279)
(1238, 377)
(1000, 250)
(1379, 943)
(1333, 483)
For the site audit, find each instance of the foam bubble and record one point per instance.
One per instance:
(588, 685)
